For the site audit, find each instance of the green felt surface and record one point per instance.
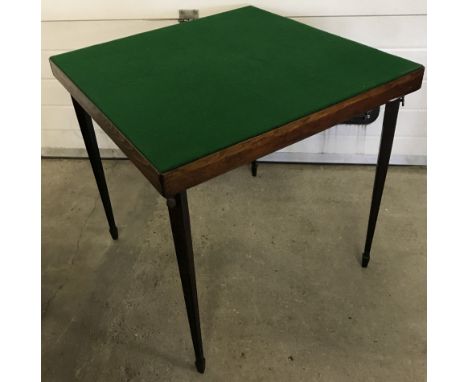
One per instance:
(186, 91)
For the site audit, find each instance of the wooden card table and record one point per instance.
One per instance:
(192, 101)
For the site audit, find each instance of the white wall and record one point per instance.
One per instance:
(398, 27)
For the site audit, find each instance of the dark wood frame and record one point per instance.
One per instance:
(173, 184)
(180, 179)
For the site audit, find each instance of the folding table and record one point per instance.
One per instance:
(192, 101)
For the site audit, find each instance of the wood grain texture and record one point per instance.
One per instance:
(203, 169)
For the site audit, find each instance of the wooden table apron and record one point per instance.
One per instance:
(173, 184)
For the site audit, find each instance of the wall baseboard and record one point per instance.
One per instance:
(287, 157)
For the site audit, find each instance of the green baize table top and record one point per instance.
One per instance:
(186, 91)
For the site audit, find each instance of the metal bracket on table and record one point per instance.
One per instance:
(402, 100)
(364, 119)
(370, 116)
(187, 15)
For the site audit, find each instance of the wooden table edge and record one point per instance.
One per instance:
(127, 147)
(200, 170)
(244, 152)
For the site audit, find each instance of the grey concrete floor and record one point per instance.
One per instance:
(282, 295)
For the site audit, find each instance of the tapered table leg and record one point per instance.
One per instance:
(253, 168)
(386, 142)
(180, 224)
(89, 137)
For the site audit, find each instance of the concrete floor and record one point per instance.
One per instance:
(282, 295)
